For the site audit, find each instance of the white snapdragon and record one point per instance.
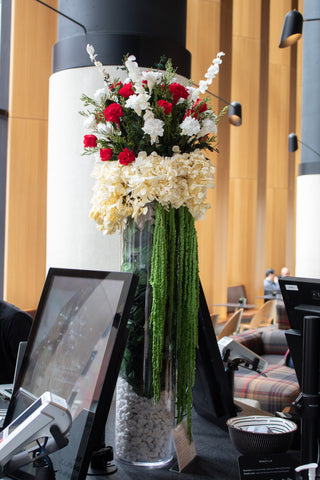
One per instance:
(92, 55)
(190, 126)
(152, 126)
(133, 69)
(90, 51)
(90, 122)
(138, 102)
(212, 72)
(203, 85)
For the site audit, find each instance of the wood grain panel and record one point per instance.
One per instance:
(278, 129)
(244, 148)
(33, 32)
(203, 34)
(26, 211)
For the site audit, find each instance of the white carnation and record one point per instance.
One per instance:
(152, 126)
(190, 126)
(152, 78)
(138, 102)
(100, 95)
(193, 94)
(208, 126)
(105, 128)
(90, 122)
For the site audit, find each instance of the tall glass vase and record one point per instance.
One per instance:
(143, 425)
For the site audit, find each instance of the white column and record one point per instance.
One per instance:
(73, 240)
(308, 226)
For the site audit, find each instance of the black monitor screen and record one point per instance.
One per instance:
(212, 393)
(75, 350)
(301, 297)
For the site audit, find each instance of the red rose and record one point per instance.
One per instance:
(126, 157)
(90, 141)
(178, 91)
(126, 91)
(105, 154)
(167, 106)
(113, 113)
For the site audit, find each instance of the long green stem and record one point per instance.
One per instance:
(175, 264)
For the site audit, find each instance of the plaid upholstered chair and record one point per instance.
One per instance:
(277, 387)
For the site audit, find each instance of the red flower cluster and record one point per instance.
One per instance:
(167, 106)
(105, 154)
(126, 91)
(178, 91)
(126, 157)
(196, 109)
(90, 141)
(113, 113)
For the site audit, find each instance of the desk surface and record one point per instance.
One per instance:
(216, 458)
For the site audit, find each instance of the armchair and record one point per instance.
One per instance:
(277, 387)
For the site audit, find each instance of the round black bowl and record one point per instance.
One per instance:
(272, 435)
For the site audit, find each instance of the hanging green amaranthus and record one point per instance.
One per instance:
(174, 268)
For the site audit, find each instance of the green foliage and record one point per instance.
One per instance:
(164, 255)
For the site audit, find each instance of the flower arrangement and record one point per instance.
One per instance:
(148, 135)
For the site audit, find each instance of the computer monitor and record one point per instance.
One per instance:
(212, 393)
(301, 297)
(74, 350)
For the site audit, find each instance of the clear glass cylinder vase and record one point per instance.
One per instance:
(143, 426)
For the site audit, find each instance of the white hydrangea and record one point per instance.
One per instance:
(121, 191)
(190, 126)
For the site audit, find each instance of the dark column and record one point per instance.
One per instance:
(147, 29)
(310, 112)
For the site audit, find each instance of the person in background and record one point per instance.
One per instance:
(285, 272)
(271, 284)
(15, 326)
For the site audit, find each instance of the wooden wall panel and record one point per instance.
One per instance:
(244, 146)
(203, 40)
(33, 35)
(278, 129)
